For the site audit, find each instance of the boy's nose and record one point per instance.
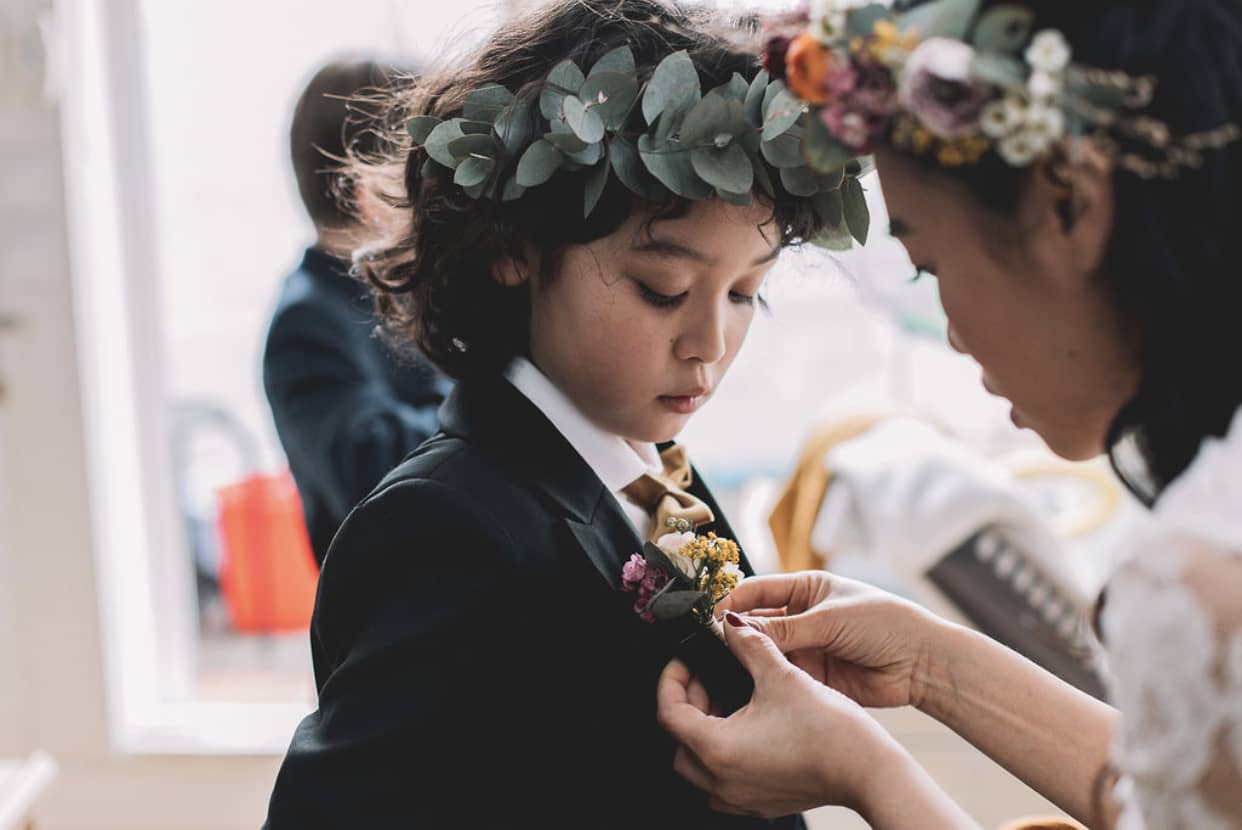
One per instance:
(703, 338)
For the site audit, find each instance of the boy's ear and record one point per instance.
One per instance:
(514, 270)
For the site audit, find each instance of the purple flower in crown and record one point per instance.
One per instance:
(862, 98)
(939, 88)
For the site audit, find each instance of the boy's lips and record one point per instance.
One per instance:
(686, 402)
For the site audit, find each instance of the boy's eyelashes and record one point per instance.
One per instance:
(659, 300)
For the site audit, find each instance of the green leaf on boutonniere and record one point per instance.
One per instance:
(564, 79)
(857, 216)
(420, 126)
(657, 557)
(486, 103)
(669, 605)
(673, 86)
(1004, 28)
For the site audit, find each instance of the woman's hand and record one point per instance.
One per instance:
(875, 648)
(796, 745)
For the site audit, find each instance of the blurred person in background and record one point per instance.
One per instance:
(347, 405)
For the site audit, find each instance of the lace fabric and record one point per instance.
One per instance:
(1172, 628)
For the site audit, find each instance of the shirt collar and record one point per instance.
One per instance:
(616, 461)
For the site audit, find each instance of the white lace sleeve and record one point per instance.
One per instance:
(1172, 626)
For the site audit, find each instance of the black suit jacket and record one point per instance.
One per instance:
(347, 408)
(478, 665)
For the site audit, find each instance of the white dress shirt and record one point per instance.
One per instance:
(616, 461)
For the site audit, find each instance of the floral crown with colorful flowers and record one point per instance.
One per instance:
(945, 81)
(658, 137)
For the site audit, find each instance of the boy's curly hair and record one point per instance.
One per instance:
(432, 270)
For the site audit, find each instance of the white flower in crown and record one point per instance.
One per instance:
(1049, 52)
(1045, 121)
(1043, 86)
(1206, 501)
(672, 544)
(831, 15)
(1020, 149)
(1000, 118)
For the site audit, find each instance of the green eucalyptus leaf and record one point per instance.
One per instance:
(619, 60)
(999, 70)
(1004, 28)
(830, 207)
(420, 126)
(566, 142)
(433, 169)
(833, 180)
(439, 139)
(784, 151)
(585, 123)
(857, 216)
(822, 152)
(941, 18)
(657, 557)
(513, 126)
(486, 103)
(762, 179)
(673, 86)
(594, 188)
(753, 105)
(475, 191)
(862, 19)
(673, 168)
(611, 95)
(709, 117)
(538, 164)
(800, 181)
(743, 199)
(626, 163)
(783, 113)
(670, 605)
(589, 155)
(769, 95)
(564, 79)
(728, 169)
(472, 145)
(1109, 98)
(512, 190)
(473, 171)
(833, 239)
(735, 90)
(469, 127)
(667, 124)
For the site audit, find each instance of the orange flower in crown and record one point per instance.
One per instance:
(808, 66)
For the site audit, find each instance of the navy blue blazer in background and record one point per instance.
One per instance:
(478, 665)
(347, 408)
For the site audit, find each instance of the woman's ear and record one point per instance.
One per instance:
(1071, 194)
(512, 271)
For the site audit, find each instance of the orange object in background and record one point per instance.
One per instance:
(267, 573)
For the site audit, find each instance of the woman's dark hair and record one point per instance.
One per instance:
(1173, 264)
(433, 270)
(331, 120)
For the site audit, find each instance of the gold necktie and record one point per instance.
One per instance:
(665, 497)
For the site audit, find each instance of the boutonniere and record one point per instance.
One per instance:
(682, 575)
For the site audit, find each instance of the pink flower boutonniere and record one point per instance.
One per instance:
(682, 574)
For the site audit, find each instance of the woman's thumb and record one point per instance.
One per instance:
(753, 648)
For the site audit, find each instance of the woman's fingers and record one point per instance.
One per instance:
(688, 766)
(761, 592)
(677, 711)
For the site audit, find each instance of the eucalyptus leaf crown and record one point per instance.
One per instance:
(660, 137)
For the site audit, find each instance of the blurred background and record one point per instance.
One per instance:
(155, 578)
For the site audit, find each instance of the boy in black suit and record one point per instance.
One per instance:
(347, 407)
(478, 660)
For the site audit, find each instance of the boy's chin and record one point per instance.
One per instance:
(666, 429)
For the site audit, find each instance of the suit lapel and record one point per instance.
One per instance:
(494, 416)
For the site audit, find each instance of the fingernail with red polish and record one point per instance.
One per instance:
(734, 620)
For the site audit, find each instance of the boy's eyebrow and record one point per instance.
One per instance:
(677, 250)
(897, 228)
